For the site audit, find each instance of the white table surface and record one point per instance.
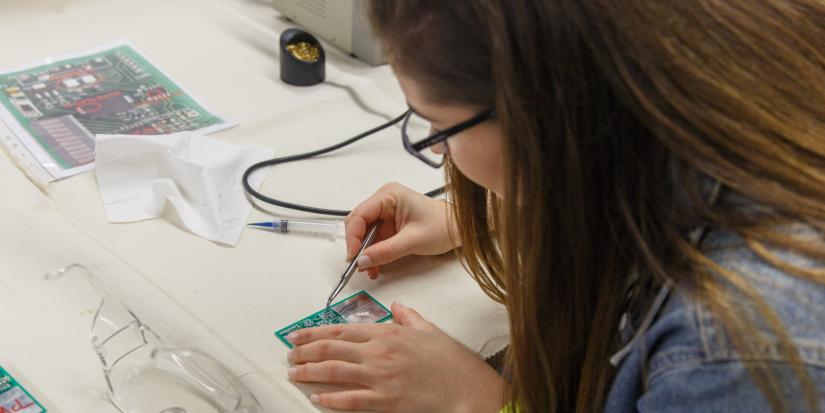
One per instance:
(225, 301)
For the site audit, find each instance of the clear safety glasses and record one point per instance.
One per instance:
(145, 375)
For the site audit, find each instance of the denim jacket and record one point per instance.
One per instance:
(685, 362)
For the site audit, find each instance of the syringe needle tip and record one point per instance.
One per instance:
(260, 225)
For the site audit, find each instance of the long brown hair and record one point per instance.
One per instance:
(599, 103)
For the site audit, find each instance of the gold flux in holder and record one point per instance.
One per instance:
(304, 51)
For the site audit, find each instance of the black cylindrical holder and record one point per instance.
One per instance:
(301, 72)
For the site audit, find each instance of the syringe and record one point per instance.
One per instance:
(330, 228)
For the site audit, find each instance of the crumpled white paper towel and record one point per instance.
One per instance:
(199, 177)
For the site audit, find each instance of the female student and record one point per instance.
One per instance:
(640, 182)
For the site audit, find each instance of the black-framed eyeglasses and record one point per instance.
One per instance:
(416, 135)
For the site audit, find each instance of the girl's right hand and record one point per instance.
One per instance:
(412, 223)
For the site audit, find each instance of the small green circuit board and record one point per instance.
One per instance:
(14, 398)
(357, 308)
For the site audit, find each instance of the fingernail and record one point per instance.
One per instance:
(364, 261)
(314, 398)
(292, 372)
(289, 356)
(399, 304)
(291, 337)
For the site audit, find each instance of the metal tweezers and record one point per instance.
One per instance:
(353, 264)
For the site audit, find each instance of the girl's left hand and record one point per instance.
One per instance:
(411, 366)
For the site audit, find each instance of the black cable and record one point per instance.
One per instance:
(301, 156)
